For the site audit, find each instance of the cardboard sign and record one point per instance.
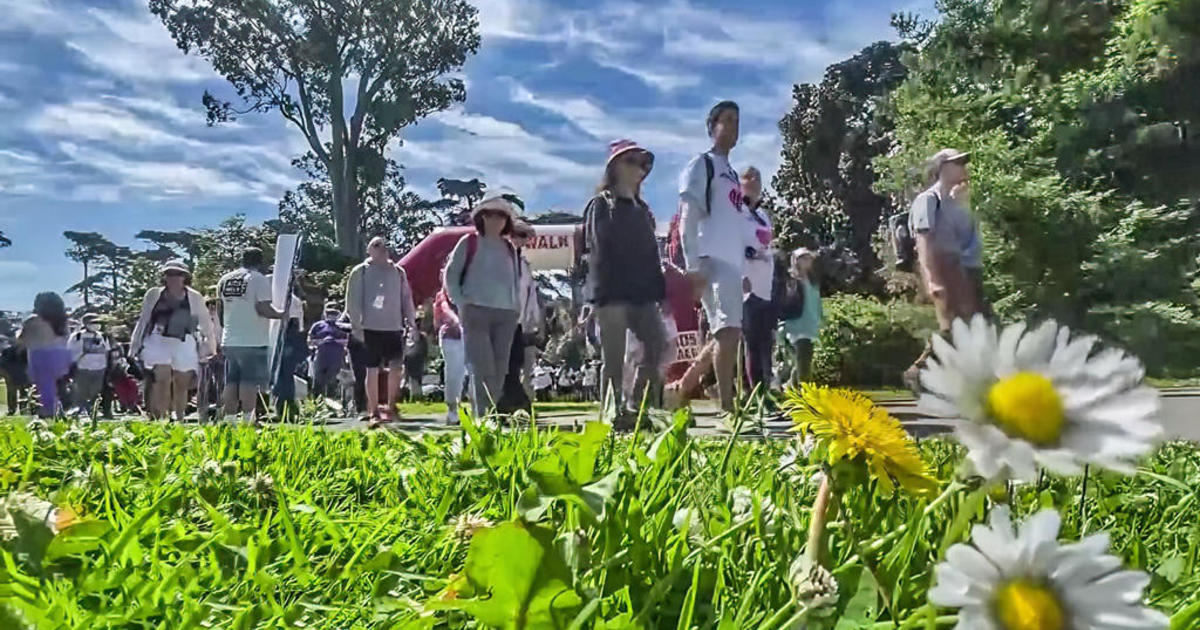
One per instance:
(687, 346)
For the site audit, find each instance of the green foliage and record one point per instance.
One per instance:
(825, 183)
(866, 342)
(349, 76)
(1075, 117)
(230, 527)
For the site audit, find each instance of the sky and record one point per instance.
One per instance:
(102, 129)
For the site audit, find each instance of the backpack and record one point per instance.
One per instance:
(711, 171)
(904, 242)
(472, 247)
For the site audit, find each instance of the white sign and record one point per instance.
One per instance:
(553, 247)
(687, 346)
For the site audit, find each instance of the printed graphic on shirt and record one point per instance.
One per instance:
(234, 287)
(735, 193)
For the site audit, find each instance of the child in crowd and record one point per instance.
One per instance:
(801, 312)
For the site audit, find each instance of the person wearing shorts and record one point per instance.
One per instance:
(713, 215)
(246, 314)
(380, 304)
(173, 333)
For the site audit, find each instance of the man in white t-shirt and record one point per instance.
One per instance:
(246, 312)
(89, 352)
(714, 244)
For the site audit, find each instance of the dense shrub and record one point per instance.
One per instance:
(866, 342)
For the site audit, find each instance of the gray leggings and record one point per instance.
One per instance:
(646, 324)
(487, 336)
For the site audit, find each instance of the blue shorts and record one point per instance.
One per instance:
(246, 366)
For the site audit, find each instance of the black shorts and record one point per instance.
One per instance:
(384, 348)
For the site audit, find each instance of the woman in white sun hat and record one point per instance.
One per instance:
(481, 279)
(173, 334)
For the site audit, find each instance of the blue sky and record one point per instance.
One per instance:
(103, 129)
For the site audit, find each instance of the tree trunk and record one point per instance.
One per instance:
(86, 298)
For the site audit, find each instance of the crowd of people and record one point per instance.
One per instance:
(487, 320)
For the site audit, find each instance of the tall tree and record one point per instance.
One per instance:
(182, 243)
(298, 57)
(466, 193)
(825, 183)
(86, 248)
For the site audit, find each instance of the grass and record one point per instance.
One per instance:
(231, 527)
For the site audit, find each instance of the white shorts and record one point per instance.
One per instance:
(180, 355)
(722, 298)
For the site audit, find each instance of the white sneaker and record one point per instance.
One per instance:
(452, 418)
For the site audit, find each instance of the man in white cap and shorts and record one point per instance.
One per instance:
(948, 245)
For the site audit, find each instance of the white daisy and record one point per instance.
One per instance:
(1039, 398)
(1006, 579)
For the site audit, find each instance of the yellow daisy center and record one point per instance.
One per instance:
(1026, 605)
(1026, 406)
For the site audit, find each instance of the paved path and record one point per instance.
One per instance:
(1181, 415)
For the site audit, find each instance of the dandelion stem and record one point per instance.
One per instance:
(820, 516)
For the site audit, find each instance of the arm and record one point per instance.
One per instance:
(208, 343)
(354, 299)
(139, 330)
(454, 271)
(264, 309)
(691, 211)
(408, 309)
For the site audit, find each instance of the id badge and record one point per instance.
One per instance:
(379, 302)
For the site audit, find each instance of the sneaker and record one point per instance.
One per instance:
(625, 421)
(452, 418)
(912, 379)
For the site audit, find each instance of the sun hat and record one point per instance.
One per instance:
(90, 317)
(803, 251)
(502, 200)
(333, 306)
(939, 159)
(175, 265)
(616, 148)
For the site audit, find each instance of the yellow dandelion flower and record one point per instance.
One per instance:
(850, 426)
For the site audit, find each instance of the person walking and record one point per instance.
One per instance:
(712, 213)
(44, 337)
(246, 313)
(759, 313)
(89, 353)
(625, 278)
(380, 303)
(173, 334)
(515, 393)
(416, 354)
(948, 246)
(482, 279)
(328, 342)
(800, 308)
(14, 369)
(454, 360)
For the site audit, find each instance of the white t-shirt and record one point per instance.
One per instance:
(719, 234)
(760, 271)
(89, 350)
(239, 291)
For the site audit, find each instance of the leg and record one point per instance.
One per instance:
(456, 371)
(181, 384)
(647, 326)
(725, 365)
(372, 389)
(230, 395)
(160, 393)
(804, 353)
(478, 350)
(395, 378)
(504, 338)
(11, 394)
(613, 322)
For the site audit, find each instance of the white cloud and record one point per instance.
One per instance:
(94, 121)
(135, 46)
(159, 179)
(16, 270)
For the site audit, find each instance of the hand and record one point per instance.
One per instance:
(585, 314)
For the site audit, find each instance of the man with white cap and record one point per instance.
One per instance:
(948, 245)
(89, 351)
(481, 278)
(379, 302)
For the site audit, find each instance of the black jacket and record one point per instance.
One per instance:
(622, 252)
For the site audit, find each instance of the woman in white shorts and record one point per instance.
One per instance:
(173, 335)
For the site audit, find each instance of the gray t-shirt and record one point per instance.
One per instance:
(491, 280)
(952, 227)
(378, 297)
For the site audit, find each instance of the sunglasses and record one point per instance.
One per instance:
(175, 274)
(645, 162)
(494, 214)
